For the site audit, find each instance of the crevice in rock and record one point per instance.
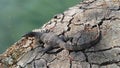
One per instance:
(106, 63)
(109, 62)
(90, 65)
(98, 50)
(115, 9)
(51, 61)
(34, 64)
(94, 64)
(102, 50)
(86, 57)
(91, 56)
(70, 64)
(109, 18)
(69, 28)
(62, 17)
(69, 24)
(116, 47)
(87, 3)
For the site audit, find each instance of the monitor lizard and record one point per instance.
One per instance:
(80, 41)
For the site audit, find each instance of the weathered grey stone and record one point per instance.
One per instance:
(110, 66)
(29, 66)
(58, 29)
(23, 61)
(49, 57)
(85, 65)
(105, 54)
(95, 66)
(60, 64)
(76, 65)
(40, 63)
(77, 56)
(72, 12)
(63, 55)
(67, 19)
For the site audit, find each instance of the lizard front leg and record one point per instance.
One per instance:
(50, 40)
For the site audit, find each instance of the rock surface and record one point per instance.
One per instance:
(106, 54)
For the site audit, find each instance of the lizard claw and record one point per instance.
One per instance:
(42, 52)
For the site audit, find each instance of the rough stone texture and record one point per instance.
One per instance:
(106, 54)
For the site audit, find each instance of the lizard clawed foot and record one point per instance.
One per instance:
(42, 52)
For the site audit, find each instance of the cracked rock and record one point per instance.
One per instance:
(105, 54)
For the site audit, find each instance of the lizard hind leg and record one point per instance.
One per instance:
(50, 50)
(47, 48)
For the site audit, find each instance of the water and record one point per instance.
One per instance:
(18, 17)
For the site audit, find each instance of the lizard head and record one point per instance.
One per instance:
(29, 34)
(33, 34)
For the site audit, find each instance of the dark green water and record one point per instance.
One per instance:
(18, 17)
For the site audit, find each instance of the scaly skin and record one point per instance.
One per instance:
(49, 39)
(81, 40)
(84, 39)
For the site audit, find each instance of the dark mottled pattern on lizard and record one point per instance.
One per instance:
(49, 39)
(85, 38)
(80, 41)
